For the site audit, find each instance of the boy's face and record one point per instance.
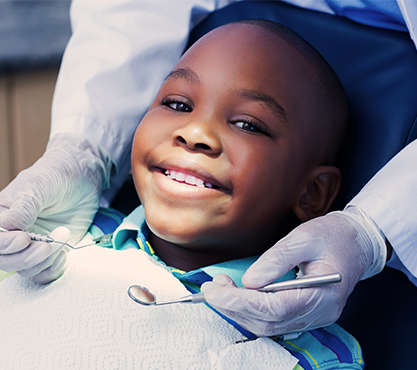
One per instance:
(221, 156)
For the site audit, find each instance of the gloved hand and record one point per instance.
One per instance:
(43, 262)
(348, 242)
(62, 188)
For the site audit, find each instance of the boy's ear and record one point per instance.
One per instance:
(318, 193)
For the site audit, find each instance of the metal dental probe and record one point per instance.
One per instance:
(102, 241)
(39, 237)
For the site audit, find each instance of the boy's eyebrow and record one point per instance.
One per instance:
(184, 73)
(249, 94)
(262, 97)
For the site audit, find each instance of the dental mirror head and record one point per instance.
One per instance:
(144, 297)
(141, 295)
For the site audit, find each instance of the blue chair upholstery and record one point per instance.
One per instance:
(378, 69)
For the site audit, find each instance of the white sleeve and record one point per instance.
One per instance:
(408, 9)
(115, 62)
(390, 199)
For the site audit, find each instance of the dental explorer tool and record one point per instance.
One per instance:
(101, 241)
(39, 237)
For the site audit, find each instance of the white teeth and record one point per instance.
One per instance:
(194, 181)
(189, 179)
(178, 176)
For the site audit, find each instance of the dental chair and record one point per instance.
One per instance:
(378, 69)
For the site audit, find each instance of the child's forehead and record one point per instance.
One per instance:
(240, 40)
(248, 54)
(241, 35)
(242, 31)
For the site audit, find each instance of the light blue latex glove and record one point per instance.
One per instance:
(347, 242)
(62, 188)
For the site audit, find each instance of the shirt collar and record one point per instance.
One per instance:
(133, 232)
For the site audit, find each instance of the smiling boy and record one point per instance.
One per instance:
(241, 137)
(237, 148)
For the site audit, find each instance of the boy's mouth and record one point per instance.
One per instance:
(188, 179)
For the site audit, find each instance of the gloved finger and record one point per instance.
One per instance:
(61, 234)
(21, 213)
(43, 265)
(13, 241)
(263, 328)
(34, 253)
(251, 303)
(258, 326)
(223, 280)
(29, 257)
(54, 266)
(218, 281)
(278, 306)
(279, 259)
(319, 315)
(53, 272)
(5, 202)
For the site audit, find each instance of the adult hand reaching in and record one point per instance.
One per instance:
(62, 188)
(346, 241)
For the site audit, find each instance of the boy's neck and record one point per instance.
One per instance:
(188, 259)
(183, 258)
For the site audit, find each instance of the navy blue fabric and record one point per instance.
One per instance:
(107, 220)
(378, 69)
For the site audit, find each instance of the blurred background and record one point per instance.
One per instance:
(33, 36)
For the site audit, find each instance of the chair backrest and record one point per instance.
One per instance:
(377, 68)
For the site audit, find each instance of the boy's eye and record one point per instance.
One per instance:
(249, 126)
(176, 105)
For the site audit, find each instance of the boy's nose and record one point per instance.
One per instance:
(197, 136)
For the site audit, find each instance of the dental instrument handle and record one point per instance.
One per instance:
(192, 298)
(302, 282)
(35, 237)
(45, 238)
(39, 237)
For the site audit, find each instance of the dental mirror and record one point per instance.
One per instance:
(141, 295)
(145, 297)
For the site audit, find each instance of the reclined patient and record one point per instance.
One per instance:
(238, 147)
